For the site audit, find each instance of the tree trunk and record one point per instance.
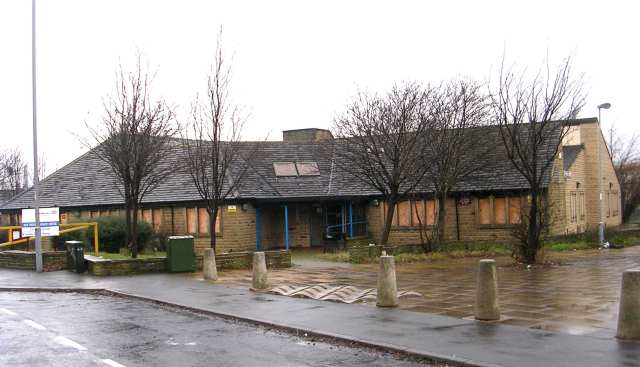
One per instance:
(127, 232)
(442, 214)
(134, 231)
(531, 249)
(212, 227)
(390, 204)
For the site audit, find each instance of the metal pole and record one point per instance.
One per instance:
(36, 179)
(286, 227)
(600, 201)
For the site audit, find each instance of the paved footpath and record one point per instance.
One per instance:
(440, 337)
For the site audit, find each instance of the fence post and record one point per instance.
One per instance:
(96, 242)
(629, 312)
(487, 308)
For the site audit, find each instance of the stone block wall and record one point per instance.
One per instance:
(26, 260)
(126, 267)
(244, 260)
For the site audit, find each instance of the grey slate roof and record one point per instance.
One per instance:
(88, 181)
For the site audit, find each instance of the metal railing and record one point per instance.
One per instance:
(70, 227)
(335, 230)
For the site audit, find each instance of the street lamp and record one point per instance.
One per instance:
(605, 106)
(36, 179)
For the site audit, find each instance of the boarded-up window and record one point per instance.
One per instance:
(484, 211)
(191, 220)
(157, 219)
(203, 221)
(500, 210)
(404, 214)
(147, 216)
(417, 213)
(431, 212)
(515, 207)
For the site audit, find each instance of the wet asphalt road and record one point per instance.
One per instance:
(70, 329)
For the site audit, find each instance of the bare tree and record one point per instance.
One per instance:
(134, 138)
(625, 153)
(456, 151)
(380, 140)
(13, 172)
(531, 116)
(216, 159)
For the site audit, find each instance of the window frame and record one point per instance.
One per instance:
(507, 208)
(197, 233)
(413, 225)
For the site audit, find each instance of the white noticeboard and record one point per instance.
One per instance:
(49, 222)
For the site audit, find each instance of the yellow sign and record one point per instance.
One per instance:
(231, 209)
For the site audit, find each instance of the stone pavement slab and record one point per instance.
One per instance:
(419, 333)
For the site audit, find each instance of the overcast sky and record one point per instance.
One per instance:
(295, 63)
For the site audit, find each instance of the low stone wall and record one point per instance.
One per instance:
(243, 260)
(17, 259)
(102, 267)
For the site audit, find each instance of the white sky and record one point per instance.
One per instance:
(296, 63)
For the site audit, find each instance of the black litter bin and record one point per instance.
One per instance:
(75, 256)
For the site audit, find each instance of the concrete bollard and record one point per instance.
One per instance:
(387, 288)
(487, 308)
(259, 271)
(209, 269)
(629, 312)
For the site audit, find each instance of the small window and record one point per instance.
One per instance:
(404, 214)
(284, 169)
(157, 219)
(203, 221)
(431, 212)
(308, 168)
(581, 205)
(484, 211)
(191, 220)
(515, 208)
(147, 216)
(500, 210)
(417, 212)
(608, 204)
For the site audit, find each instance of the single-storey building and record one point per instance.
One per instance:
(295, 196)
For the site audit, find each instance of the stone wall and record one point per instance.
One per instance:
(244, 260)
(126, 267)
(16, 259)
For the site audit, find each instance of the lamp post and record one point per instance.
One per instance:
(605, 106)
(36, 179)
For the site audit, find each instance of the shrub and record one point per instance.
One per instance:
(111, 231)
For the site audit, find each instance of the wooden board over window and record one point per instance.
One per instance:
(157, 219)
(203, 221)
(404, 214)
(191, 220)
(515, 207)
(484, 211)
(500, 210)
(417, 212)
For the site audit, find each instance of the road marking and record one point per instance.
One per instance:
(7, 312)
(112, 363)
(34, 325)
(68, 343)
